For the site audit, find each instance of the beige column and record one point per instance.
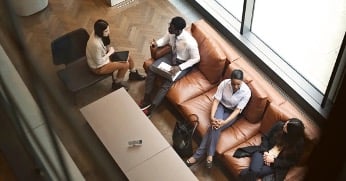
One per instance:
(28, 7)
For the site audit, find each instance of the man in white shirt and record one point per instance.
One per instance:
(183, 56)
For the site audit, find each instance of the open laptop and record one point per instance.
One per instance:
(163, 70)
(121, 56)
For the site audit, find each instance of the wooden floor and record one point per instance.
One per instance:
(132, 27)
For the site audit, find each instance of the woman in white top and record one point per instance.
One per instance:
(99, 51)
(230, 99)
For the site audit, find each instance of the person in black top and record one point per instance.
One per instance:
(280, 149)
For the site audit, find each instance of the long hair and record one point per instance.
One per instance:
(295, 133)
(99, 27)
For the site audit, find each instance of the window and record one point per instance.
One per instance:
(302, 42)
(305, 34)
(234, 7)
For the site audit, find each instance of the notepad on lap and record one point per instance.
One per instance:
(163, 69)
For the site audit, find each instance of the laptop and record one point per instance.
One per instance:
(121, 56)
(163, 70)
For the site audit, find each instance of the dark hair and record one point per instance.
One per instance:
(295, 129)
(100, 26)
(237, 74)
(295, 133)
(178, 23)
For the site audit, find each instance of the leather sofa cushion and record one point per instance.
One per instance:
(255, 108)
(272, 114)
(275, 96)
(212, 60)
(206, 30)
(235, 165)
(191, 85)
(200, 106)
(234, 135)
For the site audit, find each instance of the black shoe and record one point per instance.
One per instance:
(189, 164)
(116, 86)
(136, 76)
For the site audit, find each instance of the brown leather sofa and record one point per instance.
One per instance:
(193, 95)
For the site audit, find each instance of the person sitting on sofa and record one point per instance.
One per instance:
(183, 56)
(230, 99)
(281, 148)
(99, 51)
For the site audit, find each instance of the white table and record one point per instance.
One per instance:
(164, 166)
(117, 119)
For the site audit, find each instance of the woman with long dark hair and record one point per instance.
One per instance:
(280, 149)
(100, 56)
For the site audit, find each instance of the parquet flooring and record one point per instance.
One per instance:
(132, 28)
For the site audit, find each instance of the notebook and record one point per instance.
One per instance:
(163, 70)
(121, 56)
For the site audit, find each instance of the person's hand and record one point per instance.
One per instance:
(218, 123)
(268, 158)
(153, 43)
(214, 123)
(174, 70)
(110, 50)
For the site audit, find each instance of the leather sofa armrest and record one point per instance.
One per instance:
(158, 52)
(194, 118)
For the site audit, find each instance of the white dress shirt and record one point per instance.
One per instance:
(186, 47)
(231, 100)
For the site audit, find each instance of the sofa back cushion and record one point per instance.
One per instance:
(272, 115)
(247, 77)
(255, 108)
(213, 59)
(230, 50)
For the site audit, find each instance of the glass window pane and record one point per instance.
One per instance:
(307, 34)
(234, 7)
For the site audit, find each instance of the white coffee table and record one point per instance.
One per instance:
(117, 119)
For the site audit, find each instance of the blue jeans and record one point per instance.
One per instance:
(257, 166)
(210, 139)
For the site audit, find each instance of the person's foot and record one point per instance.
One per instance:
(144, 104)
(147, 111)
(136, 76)
(118, 85)
(191, 161)
(209, 163)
